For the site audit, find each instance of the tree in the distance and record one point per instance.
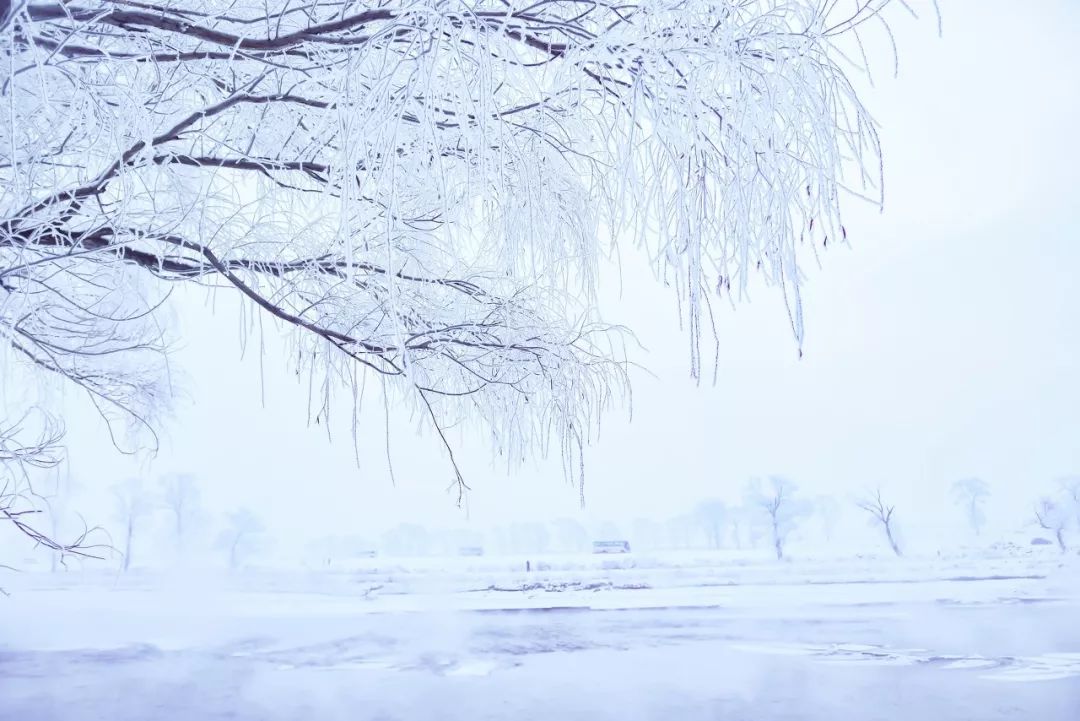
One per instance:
(132, 504)
(242, 535)
(712, 518)
(882, 514)
(737, 521)
(777, 498)
(751, 514)
(1070, 488)
(1051, 515)
(415, 188)
(971, 494)
(180, 496)
(828, 509)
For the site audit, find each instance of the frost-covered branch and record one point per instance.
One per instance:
(27, 444)
(418, 188)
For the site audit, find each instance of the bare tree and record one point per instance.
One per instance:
(755, 523)
(971, 494)
(415, 188)
(132, 503)
(1070, 487)
(777, 499)
(737, 521)
(180, 495)
(712, 517)
(882, 514)
(774, 504)
(828, 508)
(241, 534)
(752, 513)
(1052, 516)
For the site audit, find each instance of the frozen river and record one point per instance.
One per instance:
(1003, 658)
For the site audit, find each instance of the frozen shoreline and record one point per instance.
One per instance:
(78, 610)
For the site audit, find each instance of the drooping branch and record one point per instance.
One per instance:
(32, 443)
(417, 187)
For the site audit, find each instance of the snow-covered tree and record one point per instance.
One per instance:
(737, 521)
(712, 518)
(777, 499)
(180, 497)
(828, 509)
(132, 502)
(882, 514)
(241, 535)
(1052, 515)
(1070, 489)
(419, 189)
(971, 494)
(750, 517)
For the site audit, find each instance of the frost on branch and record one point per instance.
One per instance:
(28, 444)
(417, 188)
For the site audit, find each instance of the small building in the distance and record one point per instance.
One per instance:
(611, 547)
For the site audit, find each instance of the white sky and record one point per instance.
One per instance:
(942, 344)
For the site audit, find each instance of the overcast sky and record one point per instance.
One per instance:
(942, 344)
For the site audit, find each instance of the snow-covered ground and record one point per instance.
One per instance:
(642, 638)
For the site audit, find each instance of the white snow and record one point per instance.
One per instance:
(655, 635)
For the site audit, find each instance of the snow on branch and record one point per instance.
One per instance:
(29, 443)
(417, 187)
